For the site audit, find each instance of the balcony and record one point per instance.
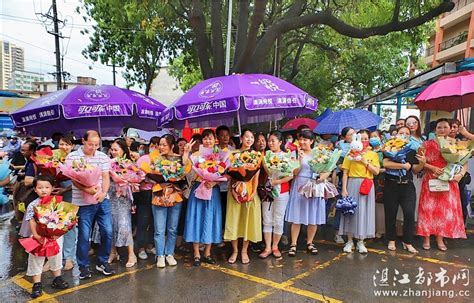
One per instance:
(459, 4)
(462, 37)
(461, 11)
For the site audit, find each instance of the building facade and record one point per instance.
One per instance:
(24, 80)
(454, 36)
(12, 58)
(51, 86)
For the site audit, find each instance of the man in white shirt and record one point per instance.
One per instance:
(99, 211)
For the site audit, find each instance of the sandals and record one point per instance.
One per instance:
(292, 251)
(232, 259)
(391, 246)
(312, 249)
(442, 247)
(265, 254)
(197, 261)
(59, 283)
(409, 248)
(208, 260)
(276, 253)
(245, 260)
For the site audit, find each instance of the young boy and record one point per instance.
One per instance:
(43, 186)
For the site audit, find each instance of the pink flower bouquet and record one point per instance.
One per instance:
(85, 174)
(126, 176)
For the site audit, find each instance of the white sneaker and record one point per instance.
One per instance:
(171, 260)
(160, 263)
(142, 255)
(348, 247)
(151, 251)
(338, 239)
(361, 247)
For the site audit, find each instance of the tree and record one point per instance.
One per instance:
(137, 35)
(260, 23)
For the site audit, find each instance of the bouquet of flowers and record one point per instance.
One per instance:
(169, 172)
(396, 149)
(323, 160)
(126, 176)
(456, 153)
(48, 160)
(210, 165)
(279, 166)
(4, 173)
(243, 167)
(347, 205)
(85, 174)
(54, 218)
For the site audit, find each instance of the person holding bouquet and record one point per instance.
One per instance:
(120, 202)
(279, 166)
(90, 210)
(244, 214)
(400, 191)
(302, 210)
(204, 209)
(357, 182)
(167, 203)
(43, 186)
(439, 209)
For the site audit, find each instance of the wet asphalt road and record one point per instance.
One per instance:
(330, 276)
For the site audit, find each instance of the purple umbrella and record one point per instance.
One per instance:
(106, 108)
(251, 98)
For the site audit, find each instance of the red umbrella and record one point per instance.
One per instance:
(449, 93)
(295, 123)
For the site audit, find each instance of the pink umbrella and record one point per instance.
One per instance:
(449, 93)
(295, 123)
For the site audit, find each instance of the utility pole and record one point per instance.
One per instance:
(57, 35)
(114, 72)
(56, 42)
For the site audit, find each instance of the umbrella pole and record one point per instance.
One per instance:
(238, 123)
(99, 130)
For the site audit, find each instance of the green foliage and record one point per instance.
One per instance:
(137, 35)
(186, 71)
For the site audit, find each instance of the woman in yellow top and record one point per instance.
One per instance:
(361, 224)
(243, 220)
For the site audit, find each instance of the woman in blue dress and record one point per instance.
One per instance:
(302, 210)
(204, 217)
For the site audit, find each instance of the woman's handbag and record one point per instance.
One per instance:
(366, 186)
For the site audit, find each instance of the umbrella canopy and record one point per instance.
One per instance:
(106, 108)
(295, 123)
(449, 93)
(355, 118)
(251, 98)
(325, 113)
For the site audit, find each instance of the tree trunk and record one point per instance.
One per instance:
(217, 43)
(242, 27)
(198, 25)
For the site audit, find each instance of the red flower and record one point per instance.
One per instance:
(45, 151)
(222, 164)
(211, 170)
(47, 200)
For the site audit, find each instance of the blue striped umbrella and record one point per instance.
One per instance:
(355, 118)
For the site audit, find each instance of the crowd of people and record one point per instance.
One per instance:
(143, 229)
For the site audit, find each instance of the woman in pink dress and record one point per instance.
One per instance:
(439, 213)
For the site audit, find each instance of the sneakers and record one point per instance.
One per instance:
(171, 260)
(151, 250)
(37, 290)
(142, 255)
(59, 283)
(105, 269)
(361, 247)
(338, 239)
(348, 247)
(85, 273)
(160, 262)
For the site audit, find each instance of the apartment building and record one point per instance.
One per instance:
(12, 58)
(454, 36)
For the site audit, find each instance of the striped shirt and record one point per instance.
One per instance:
(99, 159)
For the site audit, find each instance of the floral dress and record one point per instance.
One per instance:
(439, 213)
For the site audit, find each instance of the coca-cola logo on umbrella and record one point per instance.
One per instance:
(211, 90)
(97, 94)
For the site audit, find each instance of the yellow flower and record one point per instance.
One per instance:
(208, 164)
(245, 158)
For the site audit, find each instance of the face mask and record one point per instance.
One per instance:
(375, 141)
(365, 144)
(404, 137)
(289, 140)
(141, 152)
(334, 139)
